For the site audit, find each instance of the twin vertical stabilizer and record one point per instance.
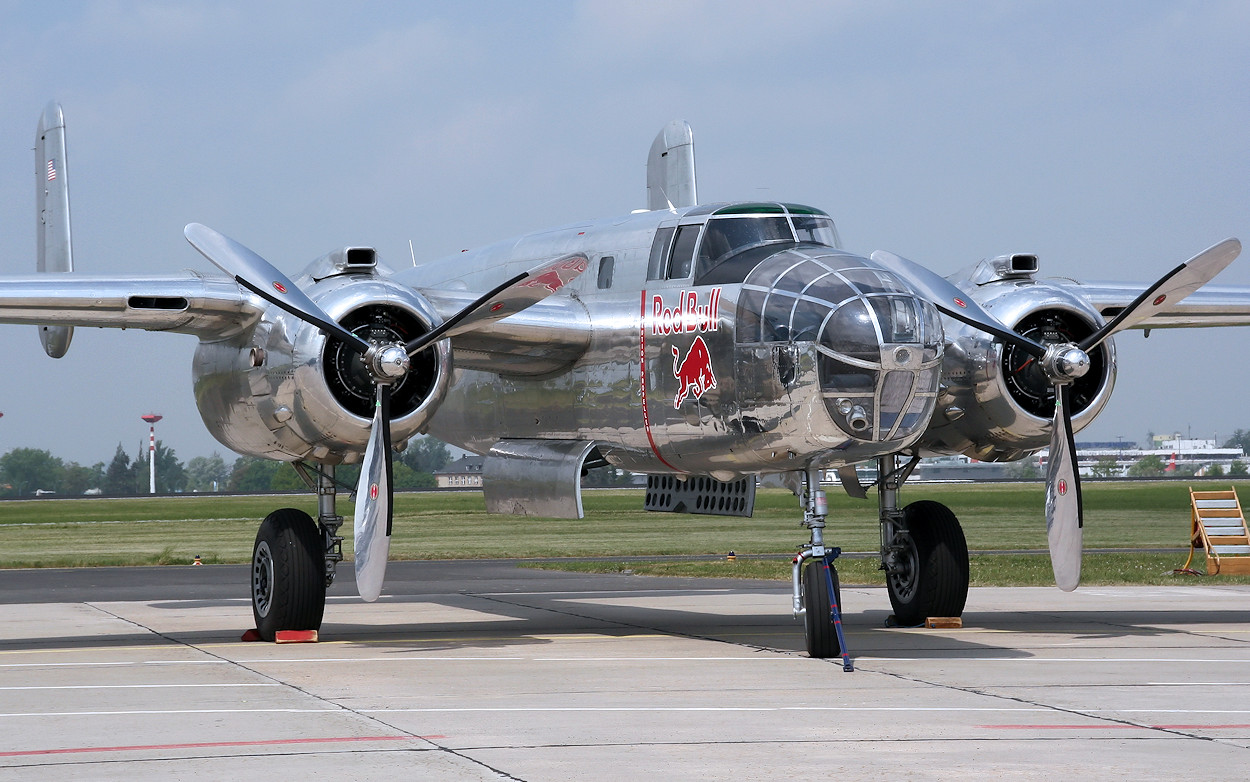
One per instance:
(52, 213)
(670, 168)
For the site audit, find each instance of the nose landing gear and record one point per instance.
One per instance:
(817, 596)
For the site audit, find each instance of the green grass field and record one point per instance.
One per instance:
(173, 530)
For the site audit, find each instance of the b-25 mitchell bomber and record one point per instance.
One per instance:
(704, 344)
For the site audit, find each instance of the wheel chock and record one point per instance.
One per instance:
(283, 636)
(295, 637)
(944, 622)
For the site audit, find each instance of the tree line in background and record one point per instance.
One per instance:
(27, 472)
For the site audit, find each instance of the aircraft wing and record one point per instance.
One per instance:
(1213, 305)
(207, 307)
(546, 336)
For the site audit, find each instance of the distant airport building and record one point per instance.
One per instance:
(1187, 456)
(1180, 455)
(464, 473)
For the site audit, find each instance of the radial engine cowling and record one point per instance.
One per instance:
(285, 391)
(995, 403)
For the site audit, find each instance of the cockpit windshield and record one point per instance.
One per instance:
(730, 235)
(734, 230)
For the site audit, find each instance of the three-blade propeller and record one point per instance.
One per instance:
(388, 364)
(1063, 363)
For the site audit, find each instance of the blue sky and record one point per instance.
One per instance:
(1109, 138)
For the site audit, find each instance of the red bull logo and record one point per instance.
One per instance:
(551, 279)
(694, 372)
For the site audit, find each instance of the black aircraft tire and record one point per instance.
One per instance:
(288, 574)
(818, 629)
(939, 566)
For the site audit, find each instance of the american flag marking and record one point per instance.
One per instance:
(51, 170)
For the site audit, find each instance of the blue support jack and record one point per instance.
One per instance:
(835, 610)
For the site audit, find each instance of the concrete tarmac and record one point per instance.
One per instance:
(483, 670)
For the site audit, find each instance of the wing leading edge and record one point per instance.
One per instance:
(1213, 305)
(207, 307)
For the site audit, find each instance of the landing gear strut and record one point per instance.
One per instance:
(817, 596)
(923, 551)
(293, 562)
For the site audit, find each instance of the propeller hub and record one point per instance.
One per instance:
(388, 363)
(1065, 363)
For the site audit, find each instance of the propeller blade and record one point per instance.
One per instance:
(1064, 514)
(1169, 290)
(372, 521)
(262, 278)
(509, 298)
(952, 301)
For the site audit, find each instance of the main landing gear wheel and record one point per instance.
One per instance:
(288, 574)
(930, 574)
(818, 629)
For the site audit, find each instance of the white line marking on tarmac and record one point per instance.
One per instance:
(139, 686)
(163, 712)
(773, 658)
(974, 659)
(1198, 683)
(119, 663)
(471, 709)
(591, 709)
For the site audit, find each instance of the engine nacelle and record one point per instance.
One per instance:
(285, 391)
(995, 403)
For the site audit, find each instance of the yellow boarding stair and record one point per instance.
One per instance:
(1219, 528)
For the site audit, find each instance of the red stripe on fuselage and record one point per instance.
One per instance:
(642, 379)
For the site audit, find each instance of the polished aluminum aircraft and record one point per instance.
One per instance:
(704, 344)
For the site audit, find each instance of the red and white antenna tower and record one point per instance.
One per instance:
(152, 418)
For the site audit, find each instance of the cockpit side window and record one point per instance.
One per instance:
(682, 259)
(659, 253)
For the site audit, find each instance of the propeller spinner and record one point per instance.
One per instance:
(387, 364)
(1064, 363)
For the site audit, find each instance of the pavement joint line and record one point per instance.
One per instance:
(332, 705)
(1120, 726)
(1110, 717)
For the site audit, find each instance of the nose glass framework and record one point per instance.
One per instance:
(879, 345)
